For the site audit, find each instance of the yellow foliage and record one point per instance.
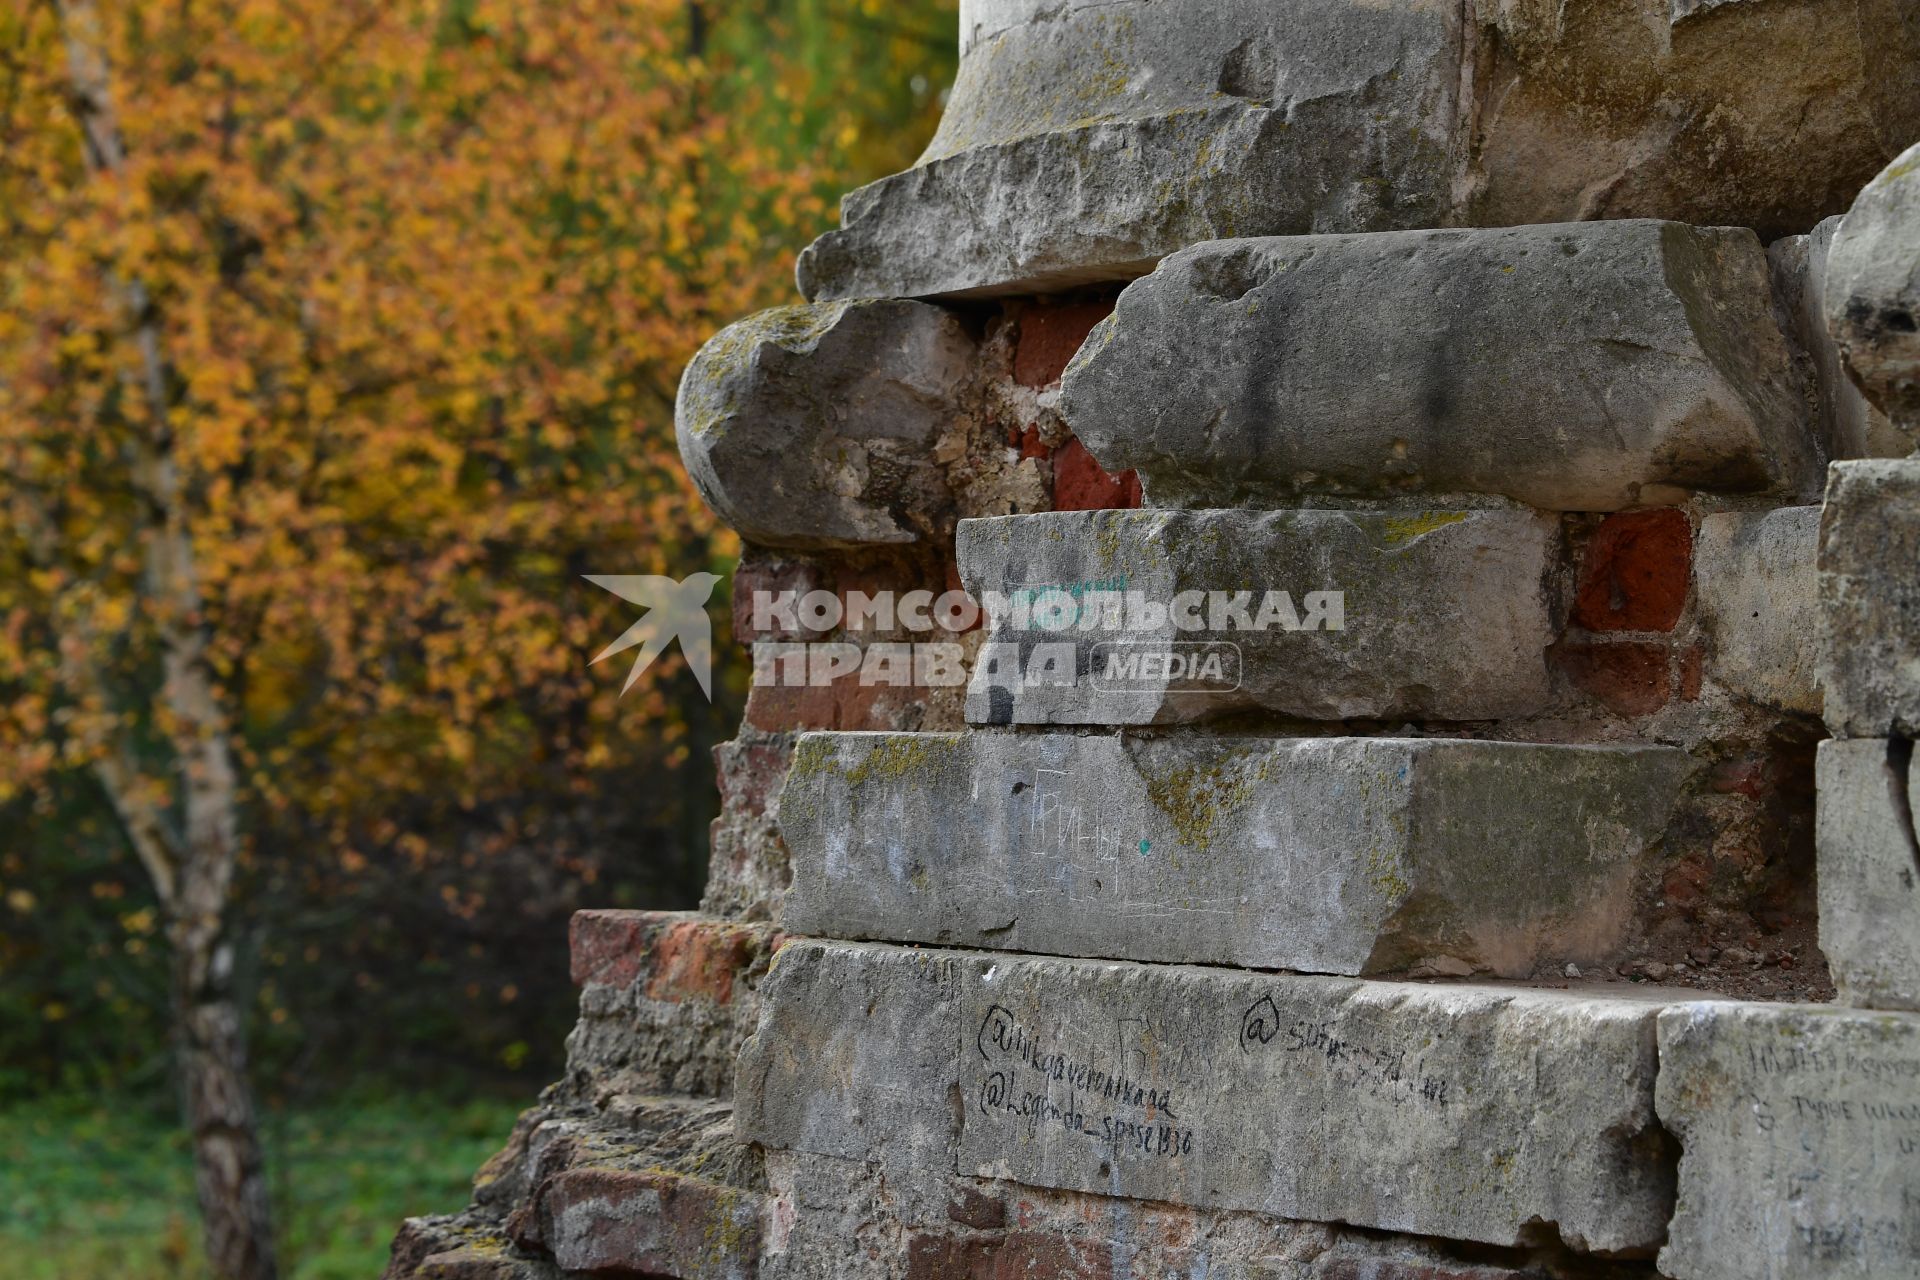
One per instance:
(423, 277)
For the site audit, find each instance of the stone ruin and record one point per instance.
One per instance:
(1553, 915)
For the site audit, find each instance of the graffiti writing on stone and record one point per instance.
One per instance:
(1380, 1070)
(1038, 1086)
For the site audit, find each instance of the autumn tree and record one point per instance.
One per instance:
(336, 341)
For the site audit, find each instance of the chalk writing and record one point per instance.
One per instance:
(1058, 824)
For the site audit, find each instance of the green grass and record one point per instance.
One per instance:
(106, 1192)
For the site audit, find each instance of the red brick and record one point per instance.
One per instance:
(972, 1208)
(698, 960)
(1049, 335)
(844, 704)
(1635, 573)
(772, 576)
(609, 948)
(1750, 776)
(1631, 679)
(749, 775)
(630, 1222)
(1685, 883)
(682, 955)
(1692, 673)
(1029, 444)
(1079, 483)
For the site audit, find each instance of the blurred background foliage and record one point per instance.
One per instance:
(428, 271)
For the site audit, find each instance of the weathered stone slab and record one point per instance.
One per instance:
(1323, 855)
(1869, 789)
(814, 426)
(1473, 1113)
(1800, 1130)
(1870, 594)
(1439, 614)
(1085, 140)
(1872, 290)
(1759, 593)
(1578, 367)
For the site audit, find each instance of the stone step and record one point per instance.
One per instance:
(1869, 791)
(1323, 855)
(1429, 614)
(1575, 367)
(1084, 140)
(1800, 1126)
(1870, 592)
(1492, 1114)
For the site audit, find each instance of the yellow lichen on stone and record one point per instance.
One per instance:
(1398, 531)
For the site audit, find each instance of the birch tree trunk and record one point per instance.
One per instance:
(190, 847)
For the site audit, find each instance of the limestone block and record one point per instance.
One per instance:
(1870, 871)
(1760, 602)
(1872, 292)
(1322, 855)
(1577, 367)
(1085, 140)
(1438, 614)
(1850, 427)
(814, 426)
(1467, 1112)
(1870, 594)
(1800, 1134)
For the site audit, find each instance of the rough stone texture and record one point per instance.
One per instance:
(1800, 1130)
(1870, 871)
(1870, 594)
(834, 1219)
(1872, 292)
(1323, 855)
(1760, 603)
(1849, 427)
(1475, 1113)
(1446, 613)
(661, 998)
(1579, 367)
(650, 1223)
(1085, 140)
(816, 426)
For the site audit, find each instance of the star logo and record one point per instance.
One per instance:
(675, 611)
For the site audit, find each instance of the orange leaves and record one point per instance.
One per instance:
(424, 274)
